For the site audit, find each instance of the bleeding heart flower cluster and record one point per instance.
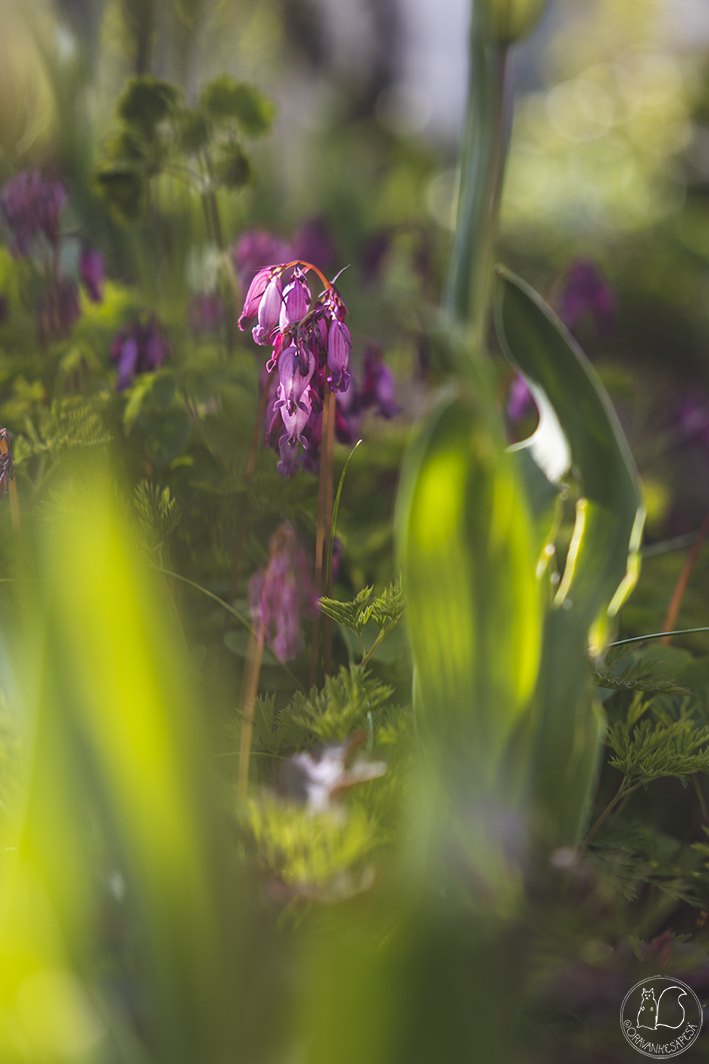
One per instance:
(311, 351)
(281, 595)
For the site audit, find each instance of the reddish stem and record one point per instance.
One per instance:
(681, 585)
(329, 494)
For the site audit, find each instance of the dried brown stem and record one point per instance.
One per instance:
(328, 413)
(681, 585)
(329, 495)
(253, 666)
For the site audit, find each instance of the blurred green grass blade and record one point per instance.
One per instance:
(118, 752)
(602, 562)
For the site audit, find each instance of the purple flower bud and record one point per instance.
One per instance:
(296, 301)
(281, 595)
(288, 450)
(338, 356)
(92, 271)
(30, 207)
(378, 387)
(141, 347)
(253, 296)
(269, 309)
(294, 384)
(126, 355)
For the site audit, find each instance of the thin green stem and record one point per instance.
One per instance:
(623, 792)
(657, 635)
(701, 798)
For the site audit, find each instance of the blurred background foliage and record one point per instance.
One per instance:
(105, 930)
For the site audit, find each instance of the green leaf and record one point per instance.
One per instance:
(124, 190)
(224, 98)
(578, 428)
(232, 166)
(603, 563)
(193, 130)
(145, 102)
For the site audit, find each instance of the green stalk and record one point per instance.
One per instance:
(482, 164)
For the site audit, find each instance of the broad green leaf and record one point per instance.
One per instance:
(577, 427)
(232, 166)
(603, 562)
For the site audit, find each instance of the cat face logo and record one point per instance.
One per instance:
(661, 1017)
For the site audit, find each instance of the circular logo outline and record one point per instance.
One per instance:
(627, 1025)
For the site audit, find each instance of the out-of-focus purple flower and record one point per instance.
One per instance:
(314, 242)
(7, 470)
(92, 270)
(255, 249)
(205, 312)
(141, 347)
(586, 292)
(58, 310)
(520, 400)
(378, 385)
(282, 595)
(30, 207)
(691, 417)
(373, 253)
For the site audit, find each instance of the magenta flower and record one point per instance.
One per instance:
(282, 595)
(309, 338)
(141, 347)
(31, 207)
(92, 271)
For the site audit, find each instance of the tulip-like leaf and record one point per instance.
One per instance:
(578, 429)
(466, 545)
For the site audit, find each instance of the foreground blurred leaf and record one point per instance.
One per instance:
(115, 756)
(225, 98)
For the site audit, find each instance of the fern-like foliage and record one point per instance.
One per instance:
(348, 701)
(385, 611)
(630, 673)
(652, 750)
(70, 423)
(158, 514)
